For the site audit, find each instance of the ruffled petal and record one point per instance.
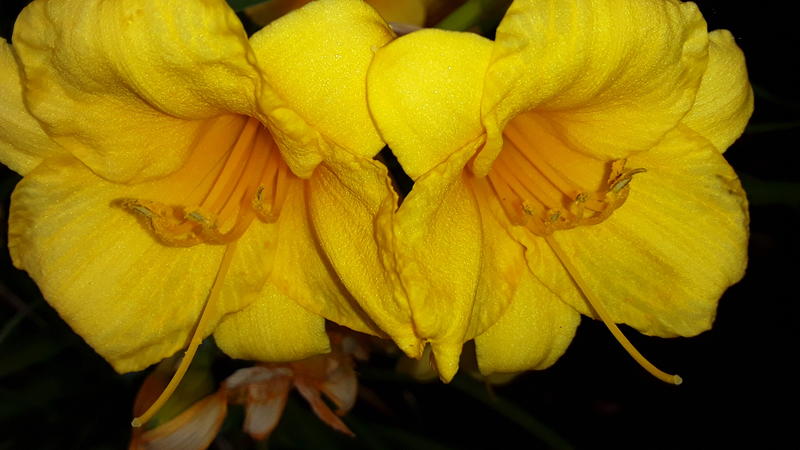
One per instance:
(532, 334)
(406, 90)
(114, 82)
(354, 193)
(133, 299)
(273, 328)
(661, 261)
(23, 143)
(302, 272)
(724, 101)
(315, 60)
(615, 76)
(437, 250)
(502, 261)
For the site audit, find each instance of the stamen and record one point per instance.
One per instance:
(248, 181)
(598, 307)
(194, 343)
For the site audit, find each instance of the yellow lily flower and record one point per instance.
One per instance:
(176, 173)
(572, 166)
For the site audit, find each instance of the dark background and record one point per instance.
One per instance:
(56, 393)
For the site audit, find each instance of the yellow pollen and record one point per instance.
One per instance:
(234, 175)
(545, 185)
(601, 311)
(194, 343)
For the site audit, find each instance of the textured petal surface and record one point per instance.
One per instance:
(351, 204)
(113, 81)
(23, 143)
(502, 261)
(424, 92)
(663, 259)
(437, 246)
(724, 101)
(615, 75)
(273, 328)
(129, 296)
(303, 273)
(315, 60)
(532, 334)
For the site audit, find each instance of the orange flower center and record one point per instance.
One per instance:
(234, 174)
(546, 186)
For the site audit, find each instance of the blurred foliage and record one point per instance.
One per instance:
(239, 5)
(56, 393)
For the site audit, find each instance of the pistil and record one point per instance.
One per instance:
(598, 307)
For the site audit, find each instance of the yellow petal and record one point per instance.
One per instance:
(272, 328)
(112, 82)
(663, 259)
(724, 101)
(23, 143)
(315, 59)
(532, 334)
(354, 193)
(130, 297)
(302, 272)
(424, 93)
(615, 76)
(502, 261)
(437, 250)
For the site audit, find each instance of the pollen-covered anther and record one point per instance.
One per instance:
(544, 200)
(239, 176)
(165, 222)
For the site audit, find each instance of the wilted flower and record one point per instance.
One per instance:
(262, 390)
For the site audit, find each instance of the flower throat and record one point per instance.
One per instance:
(544, 191)
(234, 175)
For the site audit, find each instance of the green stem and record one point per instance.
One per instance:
(472, 13)
(239, 5)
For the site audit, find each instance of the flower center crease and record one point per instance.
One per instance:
(534, 184)
(234, 174)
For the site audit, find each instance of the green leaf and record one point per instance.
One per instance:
(483, 14)
(239, 5)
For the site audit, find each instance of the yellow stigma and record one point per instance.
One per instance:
(601, 311)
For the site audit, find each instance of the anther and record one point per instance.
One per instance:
(623, 180)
